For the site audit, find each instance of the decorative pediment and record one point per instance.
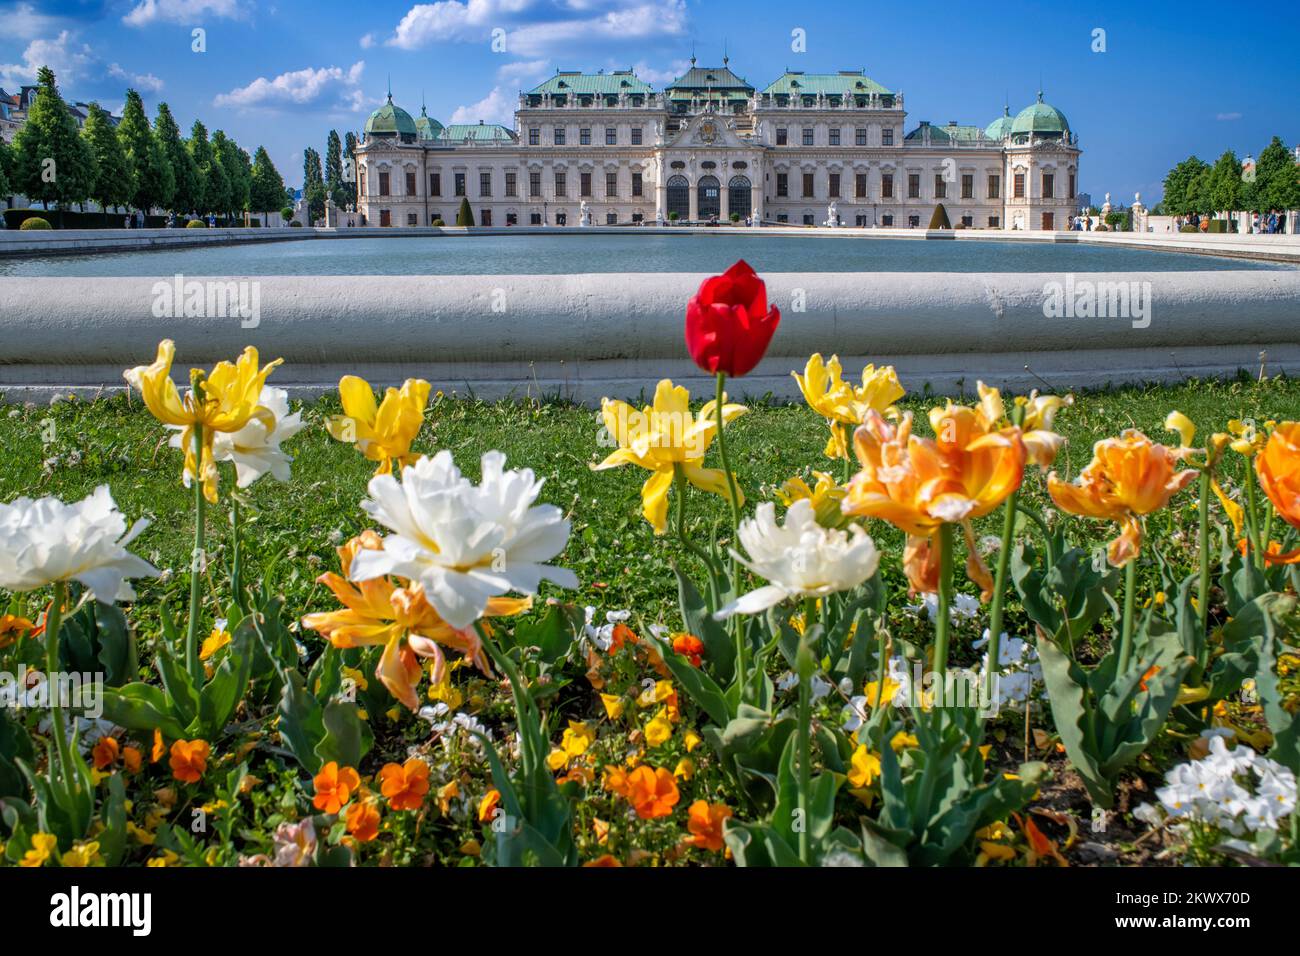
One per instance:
(708, 131)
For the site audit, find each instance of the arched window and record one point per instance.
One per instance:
(738, 196)
(710, 197)
(679, 197)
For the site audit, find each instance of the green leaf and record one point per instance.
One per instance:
(697, 616)
(143, 707)
(347, 738)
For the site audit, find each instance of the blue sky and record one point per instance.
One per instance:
(1175, 78)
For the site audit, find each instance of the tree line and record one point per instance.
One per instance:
(134, 165)
(1195, 186)
(330, 181)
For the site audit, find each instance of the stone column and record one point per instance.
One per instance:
(661, 200)
(724, 200)
(694, 213)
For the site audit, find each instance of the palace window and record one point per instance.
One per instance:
(860, 185)
(512, 219)
(968, 221)
(584, 136)
(511, 183)
(967, 186)
(559, 135)
(808, 219)
(636, 185)
(410, 184)
(1048, 221)
(611, 219)
(383, 184)
(485, 184)
(835, 136)
(1019, 186)
(412, 219)
(1071, 185)
(362, 183)
(913, 185)
(887, 136)
(561, 218)
(914, 222)
(995, 222)
(534, 184)
(835, 185)
(611, 185)
(860, 136)
(886, 185)
(636, 135)
(782, 217)
(782, 137)
(808, 136)
(460, 184)
(485, 217)
(807, 184)
(435, 184)
(534, 136)
(584, 184)
(561, 184)
(860, 220)
(783, 184)
(611, 136)
(434, 216)
(887, 219)
(940, 187)
(995, 185)
(1049, 183)
(534, 218)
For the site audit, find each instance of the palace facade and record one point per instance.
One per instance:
(807, 149)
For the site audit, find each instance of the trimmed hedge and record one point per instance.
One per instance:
(34, 222)
(1188, 228)
(196, 224)
(940, 218)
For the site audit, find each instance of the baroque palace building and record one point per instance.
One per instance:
(807, 149)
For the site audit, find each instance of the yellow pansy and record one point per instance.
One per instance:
(663, 438)
(692, 740)
(842, 404)
(43, 845)
(168, 858)
(613, 705)
(685, 769)
(577, 738)
(659, 730)
(214, 642)
(83, 854)
(904, 741)
(223, 401)
(384, 431)
(864, 767)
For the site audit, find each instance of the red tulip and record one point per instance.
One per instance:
(728, 323)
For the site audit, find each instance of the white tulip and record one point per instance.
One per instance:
(45, 541)
(255, 448)
(464, 543)
(799, 559)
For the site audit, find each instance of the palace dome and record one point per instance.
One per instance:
(427, 128)
(1040, 119)
(391, 120)
(1000, 128)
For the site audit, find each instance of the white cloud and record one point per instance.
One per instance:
(524, 72)
(24, 22)
(309, 87)
(68, 58)
(497, 107)
(539, 28)
(1227, 117)
(181, 11)
(146, 82)
(660, 78)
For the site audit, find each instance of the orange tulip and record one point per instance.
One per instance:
(189, 760)
(487, 807)
(13, 628)
(1128, 477)
(705, 821)
(1278, 467)
(378, 612)
(334, 787)
(405, 784)
(919, 484)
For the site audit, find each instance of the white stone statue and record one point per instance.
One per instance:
(832, 215)
(584, 214)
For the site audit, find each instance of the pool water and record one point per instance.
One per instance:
(571, 253)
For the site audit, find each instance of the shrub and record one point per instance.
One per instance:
(673, 217)
(1219, 225)
(286, 213)
(296, 223)
(35, 222)
(1188, 228)
(438, 222)
(465, 215)
(940, 218)
(1102, 227)
(196, 224)
(255, 223)
(734, 217)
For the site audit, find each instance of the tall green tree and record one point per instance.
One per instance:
(266, 190)
(152, 174)
(213, 187)
(185, 195)
(114, 183)
(334, 169)
(1277, 178)
(350, 154)
(1180, 186)
(1225, 183)
(52, 163)
(234, 167)
(313, 185)
(6, 161)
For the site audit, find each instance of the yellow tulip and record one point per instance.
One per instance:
(864, 767)
(1128, 477)
(222, 401)
(661, 438)
(825, 496)
(840, 403)
(1038, 414)
(382, 432)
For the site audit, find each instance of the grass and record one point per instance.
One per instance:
(69, 448)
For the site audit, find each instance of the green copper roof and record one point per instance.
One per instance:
(593, 84)
(1040, 118)
(1000, 128)
(844, 83)
(709, 78)
(427, 128)
(946, 134)
(476, 132)
(389, 120)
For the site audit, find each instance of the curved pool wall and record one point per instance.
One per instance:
(585, 336)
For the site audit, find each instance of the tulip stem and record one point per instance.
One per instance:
(848, 453)
(944, 538)
(733, 497)
(679, 483)
(236, 564)
(999, 594)
(804, 670)
(1130, 599)
(1254, 530)
(53, 622)
(197, 561)
(1203, 546)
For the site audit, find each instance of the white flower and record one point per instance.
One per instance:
(963, 607)
(464, 543)
(801, 559)
(45, 541)
(819, 687)
(255, 448)
(602, 636)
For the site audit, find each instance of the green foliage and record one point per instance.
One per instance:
(212, 188)
(234, 165)
(52, 163)
(465, 215)
(152, 175)
(1181, 187)
(1224, 185)
(35, 222)
(939, 219)
(114, 182)
(186, 195)
(196, 224)
(266, 188)
(97, 640)
(1277, 180)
